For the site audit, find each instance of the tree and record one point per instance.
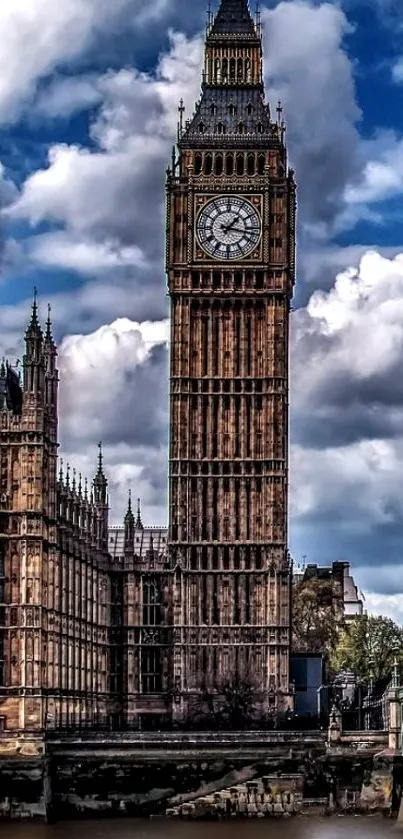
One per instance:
(234, 704)
(317, 616)
(368, 647)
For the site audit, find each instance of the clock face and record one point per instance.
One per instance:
(228, 227)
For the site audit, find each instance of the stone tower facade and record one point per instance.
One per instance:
(54, 564)
(231, 268)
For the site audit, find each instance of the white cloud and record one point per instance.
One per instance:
(98, 192)
(382, 172)
(116, 193)
(352, 488)
(65, 96)
(347, 402)
(37, 37)
(353, 330)
(389, 605)
(397, 71)
(84, 257)
(116, 378)
(95, 372)
(307, 67)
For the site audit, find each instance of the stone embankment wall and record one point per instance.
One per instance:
(148, 775)
(23, 778)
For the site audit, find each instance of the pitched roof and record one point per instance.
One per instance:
(233, 18)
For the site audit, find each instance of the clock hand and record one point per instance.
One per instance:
(244, 230)
(230, 226)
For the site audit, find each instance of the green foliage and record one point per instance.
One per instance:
(317, 616)
(369, 644)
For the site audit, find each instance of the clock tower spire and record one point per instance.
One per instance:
(230, 268)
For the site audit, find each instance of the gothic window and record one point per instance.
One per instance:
(240, 68)
(240, 164)
(260, 128)
(241, 128)
(221, 128)
(201, 127)
(251, 164)
(248, 70)
(151, 676)
(229, 163)
(217, 70)
(249, 109)
(208, 164)
(232, 69)
(151, 602)
(261, 164)
(198, 164)
(232, 109)
(218, 164)
(213, 109)
(225, 69)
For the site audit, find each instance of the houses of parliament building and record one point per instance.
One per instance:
(122, 626)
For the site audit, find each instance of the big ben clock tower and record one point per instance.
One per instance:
(230, 263)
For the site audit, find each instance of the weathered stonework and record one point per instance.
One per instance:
(229, 381)
(54, 583)
(196, 776)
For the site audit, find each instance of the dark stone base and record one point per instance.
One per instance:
(145, 776)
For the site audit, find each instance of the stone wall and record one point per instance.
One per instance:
(146, 775)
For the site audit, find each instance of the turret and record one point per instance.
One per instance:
(129, 528)
(51, 371)
(100, 492)
(139, 523)
(33, 362)
(100, 483)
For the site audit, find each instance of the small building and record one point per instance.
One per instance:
(350, 600)
(307, 674)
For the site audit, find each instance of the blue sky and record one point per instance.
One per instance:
(88, 98)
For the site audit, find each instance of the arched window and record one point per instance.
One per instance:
(232, 109)
(151, 602)
(241, 128)
(218, 164)
(249, 109)
(261, 164)
(220, 128)
(225, 69)
(240, 68)
(251, 164)
(229, 164)
(232, 69)
(201, 127)
(208, 164)
(217, 70)
(198, 164)
(259, 128)
(240, 164)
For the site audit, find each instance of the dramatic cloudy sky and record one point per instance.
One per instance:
(88, 97)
